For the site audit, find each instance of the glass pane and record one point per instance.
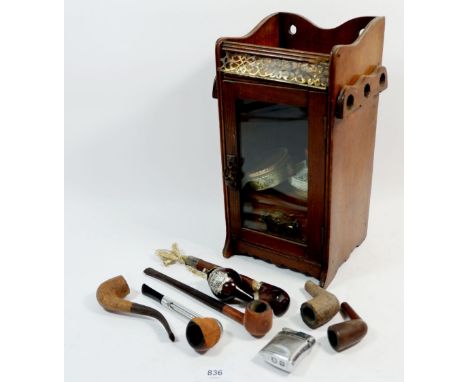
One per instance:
(273, 148)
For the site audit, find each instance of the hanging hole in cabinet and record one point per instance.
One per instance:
(292, 30)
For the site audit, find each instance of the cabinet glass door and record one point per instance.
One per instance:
(274, 175)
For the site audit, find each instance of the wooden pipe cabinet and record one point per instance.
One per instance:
(298, 110)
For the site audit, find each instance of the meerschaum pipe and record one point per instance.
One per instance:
(348, 333)
(258, 316)
(321, 308)
(202, 332)
(110, 295)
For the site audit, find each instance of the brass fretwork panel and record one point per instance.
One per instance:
(309, 74)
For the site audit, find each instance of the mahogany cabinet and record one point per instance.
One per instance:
(297, 110)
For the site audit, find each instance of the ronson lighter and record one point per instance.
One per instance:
(287, 348)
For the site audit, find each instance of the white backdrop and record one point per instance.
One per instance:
(143, 169)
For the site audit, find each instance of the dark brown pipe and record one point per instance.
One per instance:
(321, 309)
(110, 295)
(258, 317)
(225, 284)
(348, 333)
(276, 297)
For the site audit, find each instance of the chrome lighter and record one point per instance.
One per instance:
(287, 348)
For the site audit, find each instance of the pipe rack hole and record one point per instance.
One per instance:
(366, 90)
(382, 79)
(350, 101)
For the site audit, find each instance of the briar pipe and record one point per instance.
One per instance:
(110, 295)
(321, 308)
(347, 333)
(277, 298)
(227, 285)
(202, 333)
(258, 316)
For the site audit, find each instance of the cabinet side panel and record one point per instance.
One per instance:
(352, 142)
(348, 62)
(351, 178)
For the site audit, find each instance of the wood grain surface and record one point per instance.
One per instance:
(341, 138)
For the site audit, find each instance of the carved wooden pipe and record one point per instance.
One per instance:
(321, 308)
(110, 295)
(348, 333)
(258, 316)
(202, 333)
(241, 286)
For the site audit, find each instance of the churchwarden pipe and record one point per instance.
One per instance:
(202, 333)
(258, 315)
(321, 308)
(226, 284)
(348, 333)
(110, 295)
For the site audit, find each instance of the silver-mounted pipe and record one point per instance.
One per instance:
(176, 307)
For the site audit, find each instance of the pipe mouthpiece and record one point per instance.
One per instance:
(346, 334)
(150, 292)
(258, 318)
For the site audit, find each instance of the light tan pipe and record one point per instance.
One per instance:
(110, 295)
(321, 308)
(202, 332)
